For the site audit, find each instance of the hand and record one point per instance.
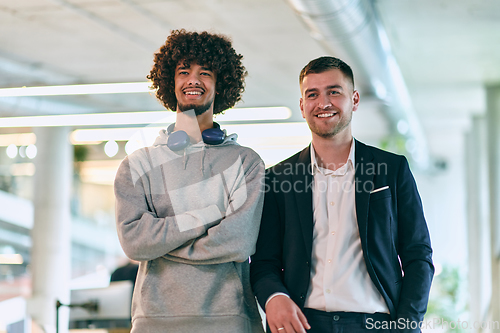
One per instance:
(282, 313)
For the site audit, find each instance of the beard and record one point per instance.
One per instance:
(198, 109)
(330, 132)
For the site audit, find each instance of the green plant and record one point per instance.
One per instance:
(447, 302)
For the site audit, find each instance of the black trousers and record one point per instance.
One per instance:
(347, 322)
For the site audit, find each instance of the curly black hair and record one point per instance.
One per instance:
(205, 49)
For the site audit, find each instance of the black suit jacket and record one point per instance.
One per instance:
(394, 235)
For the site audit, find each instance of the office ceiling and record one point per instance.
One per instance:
(447, 51)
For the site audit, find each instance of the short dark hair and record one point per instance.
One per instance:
(323, 64)
(205, 49)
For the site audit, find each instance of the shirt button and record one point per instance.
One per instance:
(329, 260)
(328, 291)
(333, 232)
(332, 203)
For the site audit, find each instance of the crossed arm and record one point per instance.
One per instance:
(217, 234)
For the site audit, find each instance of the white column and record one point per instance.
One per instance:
(493, 120)
(51, 235)
(478, 223)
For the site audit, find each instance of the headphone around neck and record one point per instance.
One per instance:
(179, 139)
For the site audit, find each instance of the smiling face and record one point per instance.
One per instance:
(194, 88)
(327, 103)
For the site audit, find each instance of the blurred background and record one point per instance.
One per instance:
(429, 77)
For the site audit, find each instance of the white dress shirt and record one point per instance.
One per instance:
(339, 279)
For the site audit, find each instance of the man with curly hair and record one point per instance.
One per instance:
(188, 208)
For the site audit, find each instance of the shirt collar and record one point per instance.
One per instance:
(327, 172)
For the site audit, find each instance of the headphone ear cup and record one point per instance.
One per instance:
(178, 140)
(213, 136)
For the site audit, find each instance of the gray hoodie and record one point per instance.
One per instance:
(191, 218)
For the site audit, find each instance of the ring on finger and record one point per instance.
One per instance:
(281, 328)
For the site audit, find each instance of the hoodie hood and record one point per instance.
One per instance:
(161, 141)
(228, 140)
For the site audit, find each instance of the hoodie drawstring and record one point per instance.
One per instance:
(203, 160)
(185, 158)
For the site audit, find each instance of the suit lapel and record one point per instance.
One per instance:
(302, 187)
(363, 186)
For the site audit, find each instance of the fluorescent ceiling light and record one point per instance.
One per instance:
(78, 89)
(93, 119)
(148, 134)
(111, 148)
(274, 142)
(11, 259)
(140, 118)
(31, 151)
(98, 135)
(11, 151)
(253, 114)
(18, 139)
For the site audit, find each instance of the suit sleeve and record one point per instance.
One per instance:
(266, 267)
(233, 239)
(415, 250)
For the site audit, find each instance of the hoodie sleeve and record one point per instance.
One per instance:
(234, 238)
(142, 234)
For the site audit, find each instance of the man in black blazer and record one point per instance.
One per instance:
(343, 244)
